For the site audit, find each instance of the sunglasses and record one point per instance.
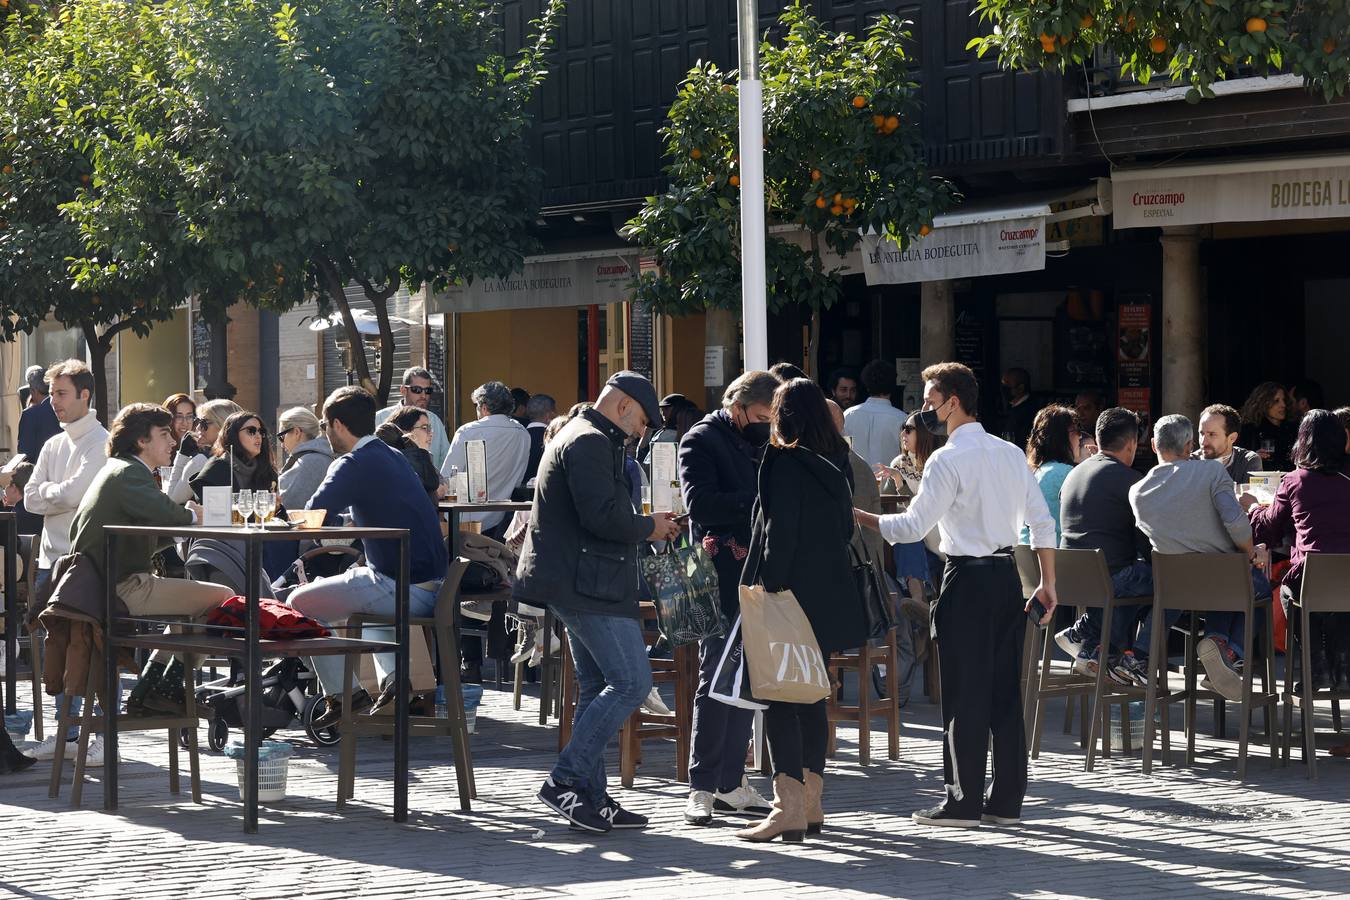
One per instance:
(199, 422)
(906, 429)
(419, 390)
(253, 430)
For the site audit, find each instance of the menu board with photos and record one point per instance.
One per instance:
(666, 495)
(476, 451)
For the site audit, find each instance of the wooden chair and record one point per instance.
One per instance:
(439, 627)
(91, 724)
(860, 662)
(1325, 576)
(680, 670)
(1205, 582)
(550, 668)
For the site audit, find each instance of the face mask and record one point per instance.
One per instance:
(756, 433)
(928, 418)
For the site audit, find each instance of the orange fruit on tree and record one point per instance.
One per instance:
(1047, 43)
(815, 174)
(7, 169)
(924, 231)
(696, 153)
(850, 204)
(1256, 25)
(838, 198)
(1086, 21)
(820, 203)
(735, 181)
(892, 123)
(859, 101)
(1329, 46)
(837, 209)
(1158, 44)
(84, 179)
(878, 120)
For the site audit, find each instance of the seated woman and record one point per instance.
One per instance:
(914, 563)
(409, 431)
(308, 456)
(193, 448)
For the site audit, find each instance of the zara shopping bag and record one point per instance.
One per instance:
(731, 681)
(781, 653)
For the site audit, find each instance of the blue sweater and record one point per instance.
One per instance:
(383, 491)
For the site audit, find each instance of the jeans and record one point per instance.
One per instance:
(1225, 625)
(613, 678)
(360, 589)
(1135, 580)
(721, 731)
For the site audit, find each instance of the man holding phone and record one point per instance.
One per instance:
(979, 491)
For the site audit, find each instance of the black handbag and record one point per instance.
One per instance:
(876, 601)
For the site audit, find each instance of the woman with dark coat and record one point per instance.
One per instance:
(408, 431)
(719, 459)
(803, 522)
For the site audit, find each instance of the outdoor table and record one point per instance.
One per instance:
(9, 527)
(891, 503)
(251, 648)
(456, 509)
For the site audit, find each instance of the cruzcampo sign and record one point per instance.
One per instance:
(958, 251)
(1257, 191)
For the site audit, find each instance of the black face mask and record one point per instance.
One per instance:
(756, 433)
(928, 418)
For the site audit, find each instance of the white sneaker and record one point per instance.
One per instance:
(476, 609)
(745, 799)
(94, 758)
(698, 809)
(527, 641)
(47, 749)
(655, 705)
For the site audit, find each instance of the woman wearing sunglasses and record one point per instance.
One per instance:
(195, 445)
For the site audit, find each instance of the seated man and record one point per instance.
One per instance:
(381, 489)
(1186, 505)
(1095, 514)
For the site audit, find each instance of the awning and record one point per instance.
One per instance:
(1255, 190)
(963, 244)
(559, 280)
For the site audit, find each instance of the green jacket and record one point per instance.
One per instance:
(123, 493)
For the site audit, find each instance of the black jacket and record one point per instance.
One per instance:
(581, 550)
(802, 525)
(216, 473)
(718, 472)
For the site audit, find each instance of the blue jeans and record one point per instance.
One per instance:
(360, 589)
(1225, 625)
(1135, 580)
(614, 676)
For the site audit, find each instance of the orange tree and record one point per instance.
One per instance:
(842, 156)
(1195, 41)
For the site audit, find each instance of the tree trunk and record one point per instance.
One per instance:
(379, 298)
(99, 345)
(332, 282)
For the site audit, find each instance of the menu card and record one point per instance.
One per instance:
(216, 506)
(665, 477)
(478, 483)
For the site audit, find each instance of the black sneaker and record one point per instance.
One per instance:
(564, 800)
(619, 817)
(943, 817)
(1129, 671)
(333, 715)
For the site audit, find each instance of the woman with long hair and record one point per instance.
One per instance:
(240, 459)
(914, 562)
(409, 431)
(802, 524)
(1053, 449)
(195, 445)
(1312, 506)
(1266, 428)
(184, 411)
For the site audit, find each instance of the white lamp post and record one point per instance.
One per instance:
(754, 290)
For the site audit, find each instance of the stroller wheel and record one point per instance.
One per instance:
(183, 737)
(218, 735)
(314, 708)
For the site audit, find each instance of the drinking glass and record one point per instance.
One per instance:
(243, 504)
(264, 502)
(646, 500)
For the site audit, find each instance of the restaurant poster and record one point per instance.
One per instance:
(909, 379)
(665, 477)
(476, 451)
(1134, 354)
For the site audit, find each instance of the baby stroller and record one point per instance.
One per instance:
(289, 697)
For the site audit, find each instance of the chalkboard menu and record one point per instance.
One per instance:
(969, 341)
(640, 338)
(201, 351)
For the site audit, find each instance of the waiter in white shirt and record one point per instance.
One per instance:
(979, 491)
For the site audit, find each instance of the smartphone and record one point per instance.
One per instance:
(682, 520)
(1036, 612)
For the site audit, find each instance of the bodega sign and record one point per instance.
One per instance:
(1250, 191)
(958, 251)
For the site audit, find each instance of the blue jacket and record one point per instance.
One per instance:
(383, 491)
(37, 425)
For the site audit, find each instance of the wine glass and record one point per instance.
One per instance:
(243, 504)
(264, 502)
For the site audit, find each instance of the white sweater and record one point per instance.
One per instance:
(64, 470)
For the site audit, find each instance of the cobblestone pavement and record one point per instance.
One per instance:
(1181, 832)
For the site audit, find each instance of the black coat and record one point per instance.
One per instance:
(581, 549)
(718, 472)
(802, 525)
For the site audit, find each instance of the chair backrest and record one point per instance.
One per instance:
(448, 598)
(1203, 581)
(1325, 580)
(1028, 569)
(1082, 578)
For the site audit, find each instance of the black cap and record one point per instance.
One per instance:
(674, 400)
(640, 389)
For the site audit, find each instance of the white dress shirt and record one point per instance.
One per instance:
(979, 492)
(440, 443)
(874, 427)
(508, 455)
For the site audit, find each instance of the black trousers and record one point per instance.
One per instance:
(721, 731)
(979, 625)
(798, 734)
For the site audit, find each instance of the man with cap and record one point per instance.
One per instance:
(580, 559)
(665, 431)
(37, 423)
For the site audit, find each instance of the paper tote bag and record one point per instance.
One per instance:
(731, 682)
(781, 652)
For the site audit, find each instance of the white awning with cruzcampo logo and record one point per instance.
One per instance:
(1255, 190)
(579, 279)
(963, 244)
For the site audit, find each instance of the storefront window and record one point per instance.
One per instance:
(52, 342)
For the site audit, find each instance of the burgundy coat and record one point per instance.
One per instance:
(1312, 508)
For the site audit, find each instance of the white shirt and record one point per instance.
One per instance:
(979, 492)
(440, 444)
(874, 427)
(65, 468)
(508, 455)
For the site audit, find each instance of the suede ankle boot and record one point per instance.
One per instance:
(788, 819)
